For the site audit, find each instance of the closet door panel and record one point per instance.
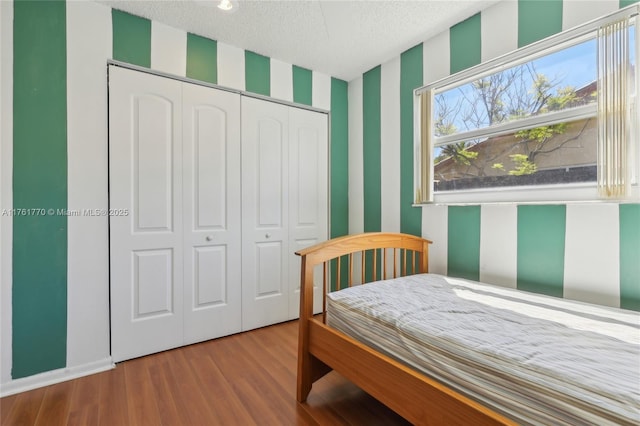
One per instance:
(210, 277)
(212, 237)
(152, 283)
(269, 275)
(153, 145)
(268, 157)
(308, 199)
(208, 165)
(145, 182)
(265, 240)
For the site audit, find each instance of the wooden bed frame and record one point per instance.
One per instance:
(416, 397)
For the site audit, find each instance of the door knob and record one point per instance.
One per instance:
(267, 235)
(208, 238)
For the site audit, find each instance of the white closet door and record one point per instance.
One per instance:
(145, 180)
(212, 274)
(265, 239)
(308, 196)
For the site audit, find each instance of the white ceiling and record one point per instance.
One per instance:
(336, 37)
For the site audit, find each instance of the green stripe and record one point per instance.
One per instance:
(630, 256)
(410, 79)
(465, 44)
(39, 292)
(302, 85)
(541, 240)
(371, 156)
(131, 38)
(371, 149)
(257, 71)
(538, 19)
(339, 158)
(625, 3)
(463, 242)
(202, 58)
(339, 166)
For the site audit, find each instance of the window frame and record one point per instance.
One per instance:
(553, 193)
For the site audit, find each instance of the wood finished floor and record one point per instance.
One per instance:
(244, 379)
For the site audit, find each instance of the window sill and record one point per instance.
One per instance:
(566, 194)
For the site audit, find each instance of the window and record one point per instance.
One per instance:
(554, 121)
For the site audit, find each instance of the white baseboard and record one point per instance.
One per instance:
(55, 376)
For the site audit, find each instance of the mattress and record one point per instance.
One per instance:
(535, 359)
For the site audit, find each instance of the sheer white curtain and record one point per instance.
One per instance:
(614, 85)
(424, 194)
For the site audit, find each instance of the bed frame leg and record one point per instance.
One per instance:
(310, 369)
(304, 378)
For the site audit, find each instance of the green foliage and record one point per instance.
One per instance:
(442, 126)
(541, 87)
(466, 156)
(543, 133)
(498, 166)
(443, 129)
(564, 97)
(523, 165)
(459, 153)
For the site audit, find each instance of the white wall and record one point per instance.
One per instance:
(6, 171)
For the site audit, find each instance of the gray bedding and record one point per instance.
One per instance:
(536, 359)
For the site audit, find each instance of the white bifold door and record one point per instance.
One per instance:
(284, 206)
(174, 185)
(212, 192)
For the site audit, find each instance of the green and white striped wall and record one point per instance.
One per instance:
(53, 155)
(589, 252)
(54, 308)
(586, 252)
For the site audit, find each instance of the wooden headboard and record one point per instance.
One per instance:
(406, 253)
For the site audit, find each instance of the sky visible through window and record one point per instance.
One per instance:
(473, 106)
(511, 93)
(575, 66)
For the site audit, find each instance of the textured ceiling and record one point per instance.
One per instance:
(339, 38)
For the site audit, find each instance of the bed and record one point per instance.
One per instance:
(418, 341)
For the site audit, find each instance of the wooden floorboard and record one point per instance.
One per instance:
(245, 379)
